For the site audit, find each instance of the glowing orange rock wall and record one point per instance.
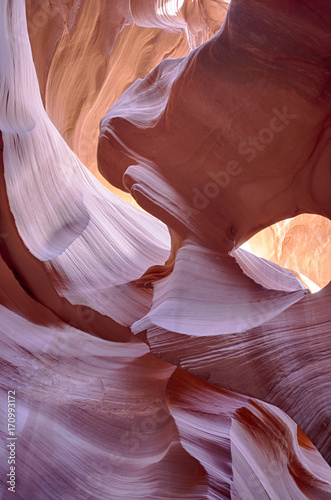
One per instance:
(87, 54)
(301, 244)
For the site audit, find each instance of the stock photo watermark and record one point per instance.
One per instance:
(43, 15)
(11, 445)
(140, 432)
(249, 149)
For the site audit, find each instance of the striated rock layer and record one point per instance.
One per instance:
(151, 356)
(118, 42)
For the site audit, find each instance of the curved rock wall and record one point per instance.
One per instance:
(150, 356)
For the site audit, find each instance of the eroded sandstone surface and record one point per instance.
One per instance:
(165, 193)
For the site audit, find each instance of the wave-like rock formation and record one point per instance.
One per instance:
(118, 42)
(148, 355)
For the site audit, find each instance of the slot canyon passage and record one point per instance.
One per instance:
(165, 249)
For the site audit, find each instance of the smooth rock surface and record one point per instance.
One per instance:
(151, 356)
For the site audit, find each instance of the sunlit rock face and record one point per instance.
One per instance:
(87, 53)
(152, 356)
(301, 244)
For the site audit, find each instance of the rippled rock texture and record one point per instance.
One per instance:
(152, 355)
